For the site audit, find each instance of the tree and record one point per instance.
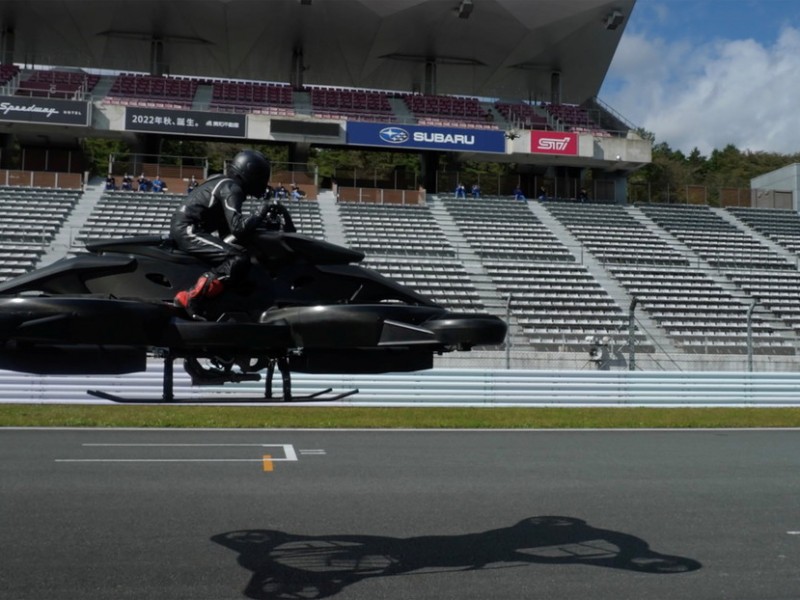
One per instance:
(98, 150)
(671, 172)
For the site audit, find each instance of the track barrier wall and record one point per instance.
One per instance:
(448, 387)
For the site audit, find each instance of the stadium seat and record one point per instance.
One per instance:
(152, 91)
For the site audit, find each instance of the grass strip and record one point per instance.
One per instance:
(54, 415)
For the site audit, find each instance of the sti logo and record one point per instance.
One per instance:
(554, 143)
(393, 135)
(558, 144)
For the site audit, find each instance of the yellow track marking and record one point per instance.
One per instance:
(266, 461)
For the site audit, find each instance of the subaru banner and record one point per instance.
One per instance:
(554, 142)
(50, 111)
(426, 138)
(187, 122)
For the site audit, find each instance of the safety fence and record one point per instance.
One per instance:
(447, 387)
(41, 179)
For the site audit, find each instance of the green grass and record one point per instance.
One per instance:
(46, 415)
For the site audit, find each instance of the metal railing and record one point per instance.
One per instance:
(449, 387)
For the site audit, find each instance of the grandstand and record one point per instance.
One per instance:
(282, 100)
(614, 235)
(503, 229)
(705, 286)
(342, 63)
(381, 229)
(780, 226)
(446, 110)
(543, 266)
(336, 103)
(523, 115)
(56, 83)
(31, 219)
(128, 214)
(136, 89)
(717, 241)
(252, 97)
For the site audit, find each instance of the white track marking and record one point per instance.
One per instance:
(289, 453)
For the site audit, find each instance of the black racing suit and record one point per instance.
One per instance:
(212, 212)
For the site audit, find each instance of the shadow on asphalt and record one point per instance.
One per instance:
(286, 566)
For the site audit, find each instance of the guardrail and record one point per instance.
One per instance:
(441, 387)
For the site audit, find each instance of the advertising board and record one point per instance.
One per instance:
(186, 122)
(423, 137)
(51, 111)
(554, 142)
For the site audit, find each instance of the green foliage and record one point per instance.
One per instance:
(671, 171)
(38, 415)
(343, 162)
(97, 151)
(220, 152)
(177, 148)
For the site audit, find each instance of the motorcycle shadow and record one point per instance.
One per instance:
(286, 566)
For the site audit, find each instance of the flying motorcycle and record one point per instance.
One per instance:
(307, 306)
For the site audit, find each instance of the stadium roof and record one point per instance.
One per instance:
(493, 48)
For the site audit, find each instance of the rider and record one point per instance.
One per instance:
(215, 207)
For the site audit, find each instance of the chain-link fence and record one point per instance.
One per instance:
(531, 186)
(723, 196)
(158, 165)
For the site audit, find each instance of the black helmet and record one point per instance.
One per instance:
(251, 170)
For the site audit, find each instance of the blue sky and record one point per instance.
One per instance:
(707, 73)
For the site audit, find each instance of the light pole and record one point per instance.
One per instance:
(508, 332)
(750, 336)
(632, 336)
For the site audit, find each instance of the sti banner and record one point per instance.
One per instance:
(425, 138)
(186, 122)
(554, 142)
(50, 111)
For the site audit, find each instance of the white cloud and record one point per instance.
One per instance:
(723, 92)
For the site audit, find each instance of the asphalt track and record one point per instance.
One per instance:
(101, 514)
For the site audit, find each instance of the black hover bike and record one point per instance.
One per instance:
(306, 306)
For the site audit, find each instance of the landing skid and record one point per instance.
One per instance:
(282, 364)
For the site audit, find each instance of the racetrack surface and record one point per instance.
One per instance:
(218, 514)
